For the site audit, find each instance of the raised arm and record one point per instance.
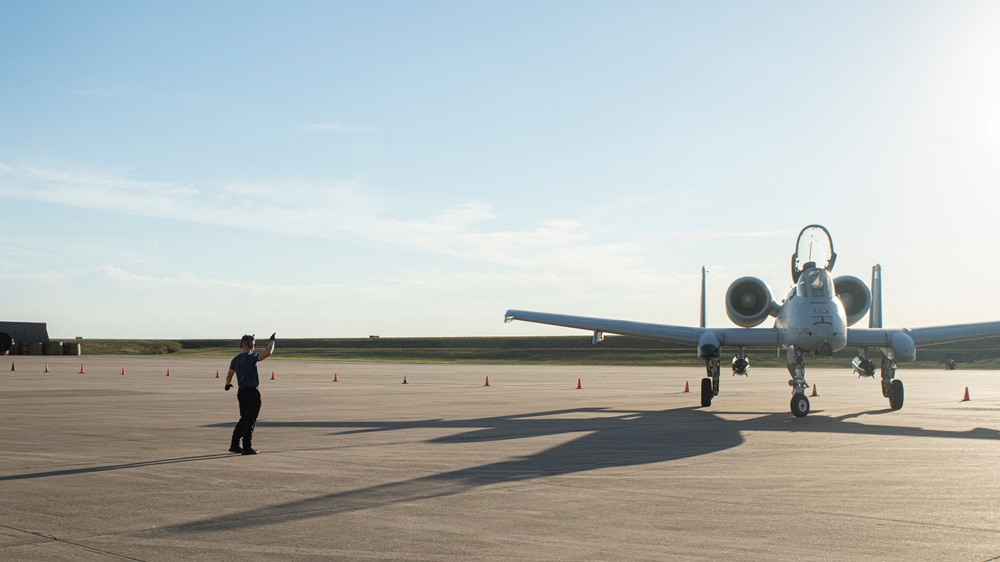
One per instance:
(267, 350)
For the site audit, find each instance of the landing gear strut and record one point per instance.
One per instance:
(797, 369)
(710, 384)
(892, 388)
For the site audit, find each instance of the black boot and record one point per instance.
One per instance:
(247, 449)
(235, 447)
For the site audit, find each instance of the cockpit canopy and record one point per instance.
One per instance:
(814, 283)
(813, 248)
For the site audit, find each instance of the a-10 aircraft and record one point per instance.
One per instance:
(813, 318)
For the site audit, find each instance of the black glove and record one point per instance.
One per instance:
(228, 386)
(272, 336)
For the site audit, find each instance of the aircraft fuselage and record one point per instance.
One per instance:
(812, 318)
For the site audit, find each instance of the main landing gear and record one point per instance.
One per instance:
(796, 368)
(892, 388)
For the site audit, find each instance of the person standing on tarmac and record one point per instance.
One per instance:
(244, 366)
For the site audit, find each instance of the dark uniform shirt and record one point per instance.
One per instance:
(245, 365)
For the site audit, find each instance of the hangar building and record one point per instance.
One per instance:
(16, 337)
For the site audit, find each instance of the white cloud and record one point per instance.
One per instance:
(97, 190)
(49, 277)
(338, 210)
(705, 234)
(557, 263)
(112, 92)
(191, 280)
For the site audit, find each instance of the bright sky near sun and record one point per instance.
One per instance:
(341, 169)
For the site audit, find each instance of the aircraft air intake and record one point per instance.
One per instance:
(749, 302)
(854, 295)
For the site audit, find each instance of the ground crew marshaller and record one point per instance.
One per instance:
(244, 366)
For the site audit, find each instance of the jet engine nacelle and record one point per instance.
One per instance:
(749, 302)
(855, 296)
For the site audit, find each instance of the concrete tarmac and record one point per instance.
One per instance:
(105, 466)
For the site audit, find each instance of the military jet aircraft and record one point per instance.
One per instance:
(813, 318)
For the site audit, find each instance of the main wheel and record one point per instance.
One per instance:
(896, 394)
(800, 405)
(706, 392)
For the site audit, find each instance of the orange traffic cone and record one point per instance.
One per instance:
(814, 391)
(46, 367)
(123, 370)
(686, 387)
(272, 375)
(966, 399)
(487, 381)
(578, 385)
(168, 372)
(81, 369)
(335, 377)
(404, 379)
(216, 373)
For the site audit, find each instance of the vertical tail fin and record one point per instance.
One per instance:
(875, 315)
(703, 271)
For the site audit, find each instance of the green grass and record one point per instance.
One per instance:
(558, 350)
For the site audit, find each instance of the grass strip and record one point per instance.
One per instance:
(549, 350)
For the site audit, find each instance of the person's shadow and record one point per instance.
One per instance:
(608, 438)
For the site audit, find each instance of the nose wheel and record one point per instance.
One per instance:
(800, 405)
(706, 392)
(710, 384)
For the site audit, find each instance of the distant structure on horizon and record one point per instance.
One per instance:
(31, 338)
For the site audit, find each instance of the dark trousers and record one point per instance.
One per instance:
(249, 409)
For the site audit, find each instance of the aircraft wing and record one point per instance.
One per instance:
(861, 337)
(661, 332)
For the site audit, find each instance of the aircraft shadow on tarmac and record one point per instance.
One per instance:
(110, 467)
(609, 438)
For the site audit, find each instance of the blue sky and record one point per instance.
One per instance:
(341, 169)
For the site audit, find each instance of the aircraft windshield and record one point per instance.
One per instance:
(814, 283)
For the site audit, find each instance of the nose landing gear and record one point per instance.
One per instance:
(797, 369)
(710, 384)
